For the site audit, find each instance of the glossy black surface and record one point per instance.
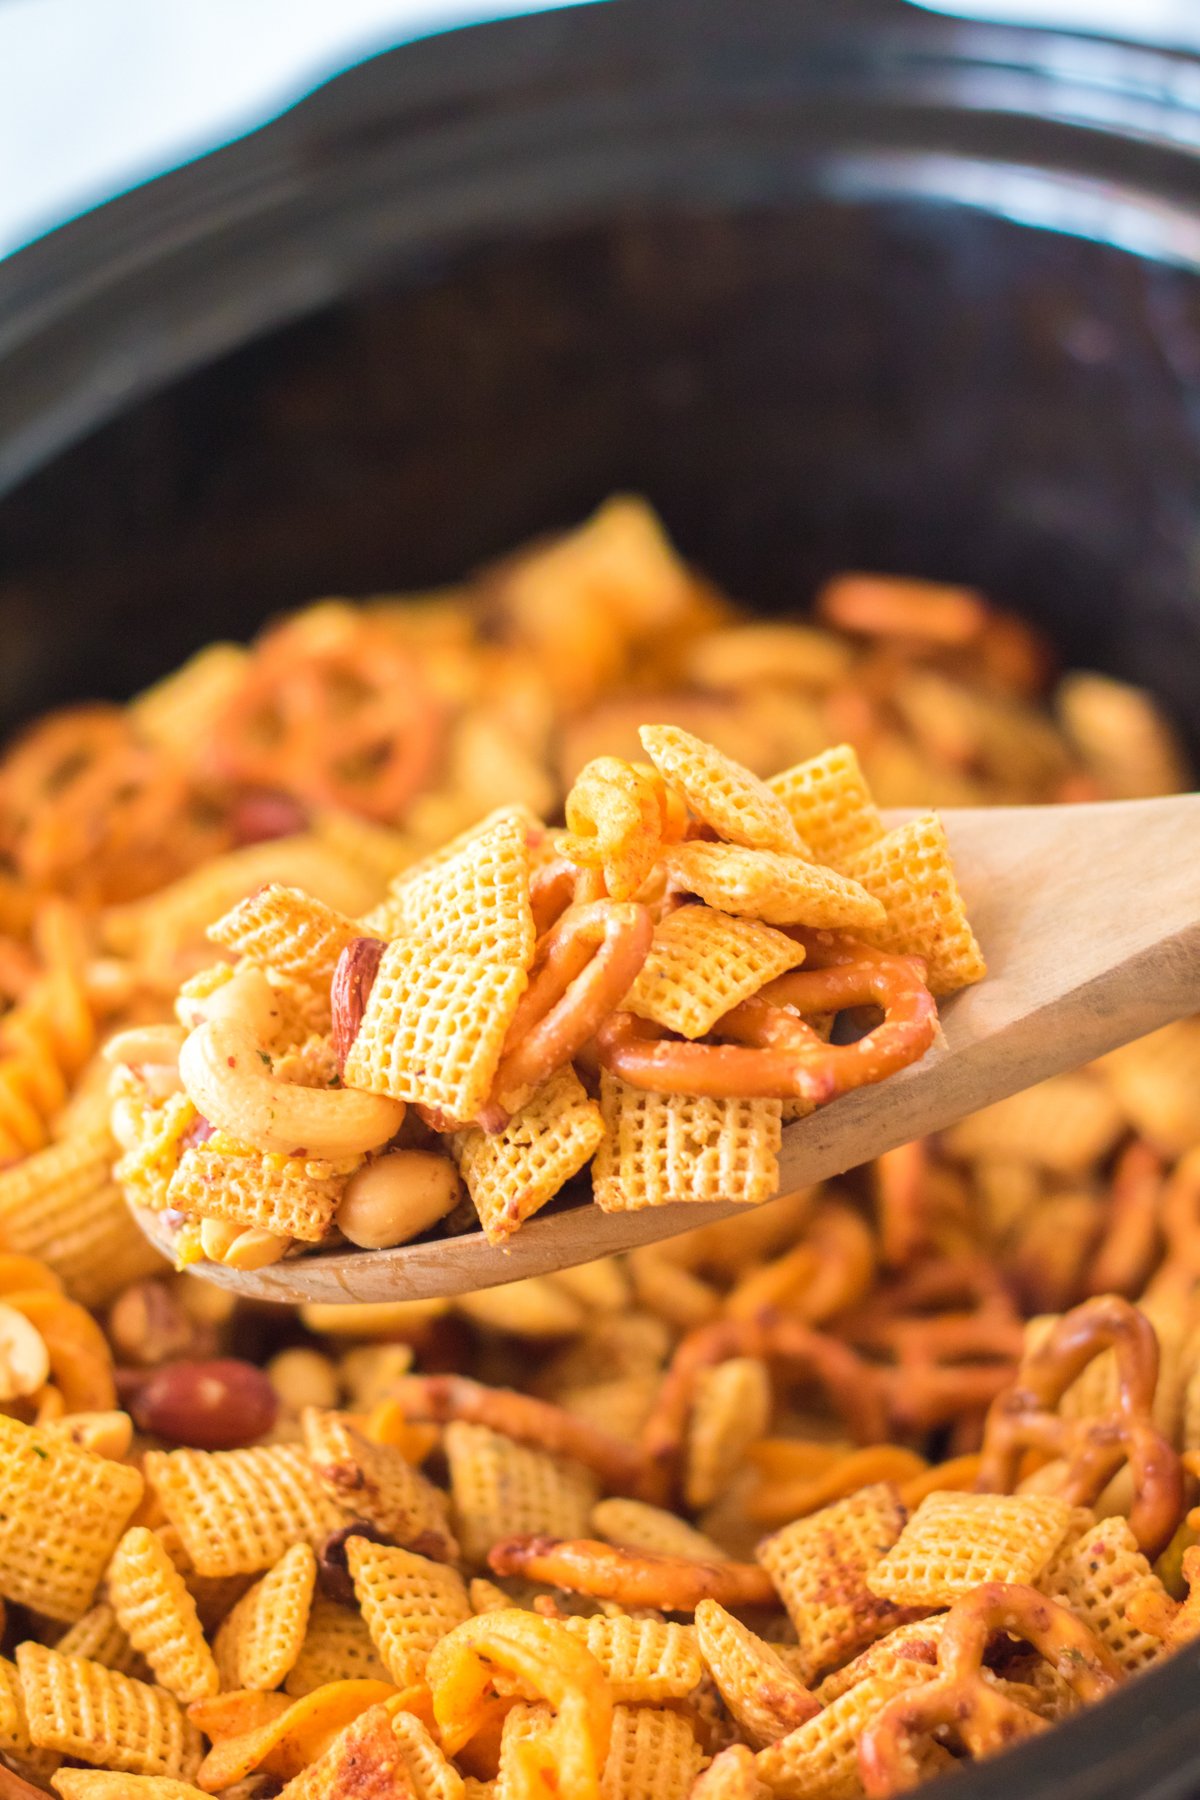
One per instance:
(831, 283)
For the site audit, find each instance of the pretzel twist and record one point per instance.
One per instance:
(851, 1384)
(333, 709)
(774, 1053)
(944, 1366)
(1023, 1417)
(582, 969)
(87, 805)
(961, 1701)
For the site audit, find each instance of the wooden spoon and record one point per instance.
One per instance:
(1090, 920)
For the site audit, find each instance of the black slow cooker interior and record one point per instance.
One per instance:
(907, 386)
(831, 286)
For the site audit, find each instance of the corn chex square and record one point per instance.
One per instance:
(259, 1642)
(500, 1489)
(1096, 1573)
(376, 1482)
(363, 1759)
(16, 1745)
(702, 963)
(83, 1710)
(408, 1603)
(822, 1566)
(910, 873)
(62, 1206)
(337, 1647)
(954, 1542)
(287, 1195)
(635, 1525)
(237, 1511)
(110, 1784)
(652, 1755)
(62, 1510)
(432, 1777)
(819, 1761)
(778, 889)
(763, 1697)
(830, 804)
(1065, 1125)
(909, 1653)
(643, 1659)
(476, 901)
(98, 1635)
(664, 1147)
(434, 1027)
(152, 1604)
(283, 929)
(510, 1174)
(739, 807)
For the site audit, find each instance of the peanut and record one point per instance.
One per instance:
(304, 1378)
(219, 1405)
(396, 1197)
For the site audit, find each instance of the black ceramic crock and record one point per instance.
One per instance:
(831, 281)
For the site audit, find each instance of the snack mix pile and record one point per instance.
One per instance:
(815, 1502)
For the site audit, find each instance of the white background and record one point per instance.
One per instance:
(96, 95)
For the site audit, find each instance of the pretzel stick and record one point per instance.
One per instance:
(441, 1398)
(670, 1583)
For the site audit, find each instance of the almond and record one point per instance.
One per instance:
(353, 979)
(149, 1324)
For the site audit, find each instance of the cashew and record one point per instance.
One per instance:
(24, 1359)
(154, 1044)
(229, 1080)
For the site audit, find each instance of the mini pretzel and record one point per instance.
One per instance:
(850, 1383)
(583, 968)
(1022, 1418)
(775, 1054)
(334, 710)
(960, 1701)
(555, 886)
(83, 799)
(442, 1398)
(944, 1367)
(829, 1270)
(632, 1578)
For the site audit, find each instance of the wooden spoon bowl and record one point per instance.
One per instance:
(1090, 920)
